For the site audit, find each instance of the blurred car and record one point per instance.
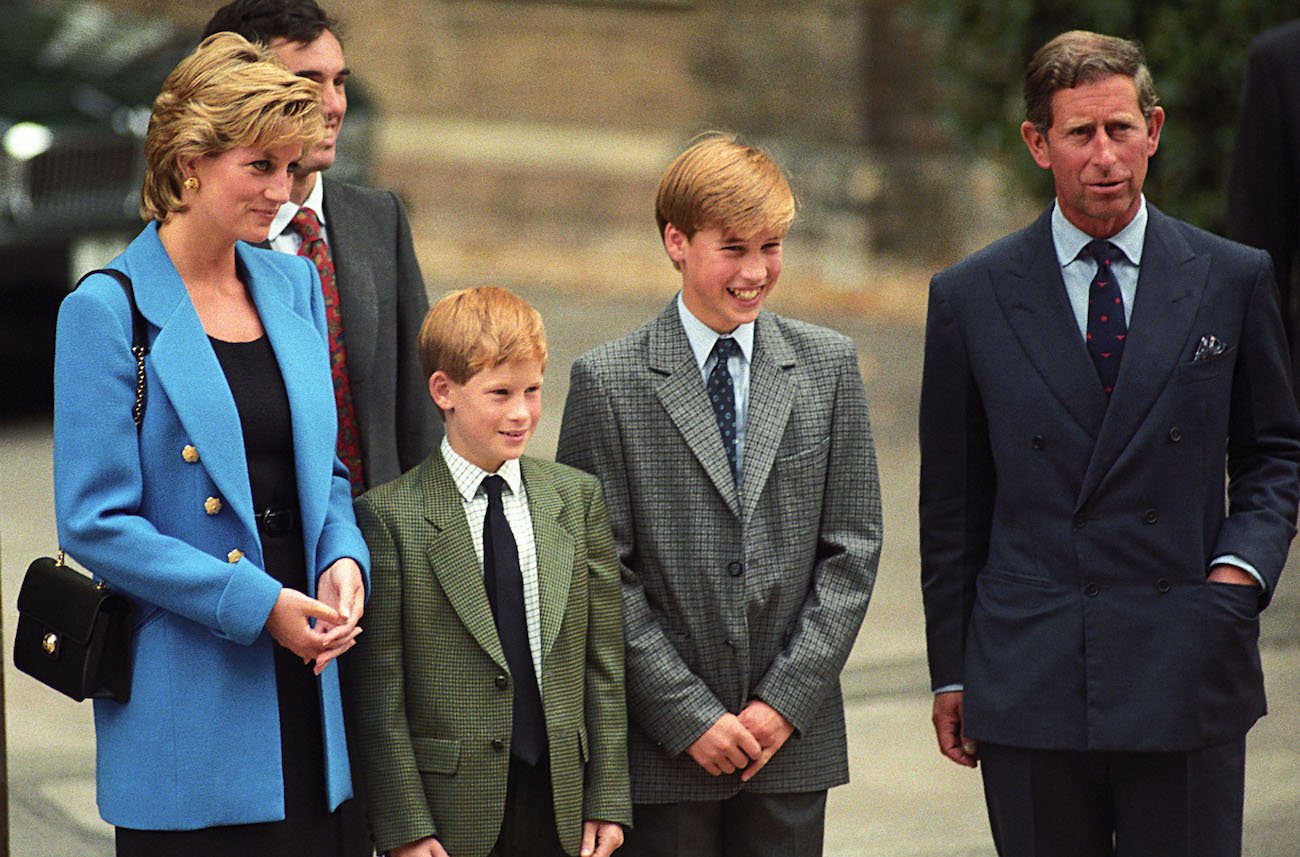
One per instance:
(77, 83)
(76, 86)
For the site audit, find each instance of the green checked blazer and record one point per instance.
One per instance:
(433, 691)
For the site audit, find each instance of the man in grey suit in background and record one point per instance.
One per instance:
(735, 451)
(385, 421)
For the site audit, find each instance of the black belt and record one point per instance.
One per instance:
(274, 522)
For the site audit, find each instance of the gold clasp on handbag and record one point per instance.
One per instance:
(50, 642)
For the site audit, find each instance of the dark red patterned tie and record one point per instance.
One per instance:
(1106, 327)
(314, 247)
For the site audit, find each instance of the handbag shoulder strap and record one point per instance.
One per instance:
(139, 342)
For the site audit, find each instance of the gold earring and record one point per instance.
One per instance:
(191, 183)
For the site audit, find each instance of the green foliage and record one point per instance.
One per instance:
(1196, 50)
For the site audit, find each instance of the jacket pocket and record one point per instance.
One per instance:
(436, 755)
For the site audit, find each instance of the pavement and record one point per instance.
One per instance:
(904, 799)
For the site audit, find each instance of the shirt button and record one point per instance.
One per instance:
(502, 681)
(1150, 516)
(1175, 434)
(1162, 586)
(1038, 442)
(735, 568)
(1091, 590)
(498, 744)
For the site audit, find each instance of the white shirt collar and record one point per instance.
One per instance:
(315, 201)
(702, 337)
(469, 476)
(1070, 239)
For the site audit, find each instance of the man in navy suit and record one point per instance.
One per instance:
(1264, 189)
(1091, 602)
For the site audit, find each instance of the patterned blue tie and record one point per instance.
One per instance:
(1106, 327)
(723, 398)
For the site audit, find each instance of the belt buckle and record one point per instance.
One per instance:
(277, 521)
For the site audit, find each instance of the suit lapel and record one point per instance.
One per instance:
(555, 551)
(188, 373)
(453, 560)
(1169, 279)
(303, 360)
(1031, 291)
(349, 239)
(771, 398)
(682, 394)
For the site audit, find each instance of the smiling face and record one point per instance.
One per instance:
(725, 277)
(320, 60)
(491, 417)
(1097, 149)
(240, 190)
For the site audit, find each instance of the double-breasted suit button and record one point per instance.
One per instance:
(234, 556)
(1162, 586)
(498, 744)
(1091, 589)
(190, 454)
(735, 568)
(1175, 434)
(212, 505)
(502, 681)
(1038, 442)
(1150, 516)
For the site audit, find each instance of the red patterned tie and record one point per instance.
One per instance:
(314, 247)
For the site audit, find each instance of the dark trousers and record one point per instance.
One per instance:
(528, 829)
(744, 825)
(1053, 803)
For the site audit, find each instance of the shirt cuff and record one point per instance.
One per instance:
(949, 688)
(1233, 559)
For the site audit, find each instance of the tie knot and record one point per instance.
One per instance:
(494, 485)
(307, 224)
(1103, 252)
(724, 347)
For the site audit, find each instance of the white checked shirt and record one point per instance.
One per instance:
(469, 484)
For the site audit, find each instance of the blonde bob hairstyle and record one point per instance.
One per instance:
(227, 94)
(719, 183)
(481, 328)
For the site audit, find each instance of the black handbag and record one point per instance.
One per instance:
(75, 634)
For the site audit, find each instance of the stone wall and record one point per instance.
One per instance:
(527, 137)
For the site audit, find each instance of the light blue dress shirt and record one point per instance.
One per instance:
(702, 337)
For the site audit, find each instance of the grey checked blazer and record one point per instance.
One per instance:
(727, 600)
(384, 302)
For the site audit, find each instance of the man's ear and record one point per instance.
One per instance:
(1037, 144)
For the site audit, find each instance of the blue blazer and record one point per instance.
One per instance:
(198, 745)
(1065, 540)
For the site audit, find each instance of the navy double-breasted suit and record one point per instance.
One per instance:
(1066, 539)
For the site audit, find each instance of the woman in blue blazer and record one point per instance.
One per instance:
(226, 516)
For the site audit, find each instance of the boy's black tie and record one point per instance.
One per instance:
(723, 398)
(505, 588)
